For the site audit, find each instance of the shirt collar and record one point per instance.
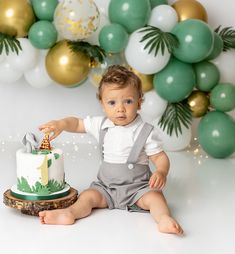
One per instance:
(134, 124)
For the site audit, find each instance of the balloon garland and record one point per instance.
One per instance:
(178, 57)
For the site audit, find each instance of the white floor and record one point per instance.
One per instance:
(200, 192)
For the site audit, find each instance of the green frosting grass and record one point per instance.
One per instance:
(38, 188)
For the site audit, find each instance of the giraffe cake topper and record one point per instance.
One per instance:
(45, 145)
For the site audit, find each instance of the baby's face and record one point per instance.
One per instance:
(120, 105)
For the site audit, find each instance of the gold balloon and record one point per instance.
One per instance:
(65, 66)
(199, 103)
(16, 17)
(190, 9)
(146, 80)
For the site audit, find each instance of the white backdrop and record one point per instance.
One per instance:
(23, 108)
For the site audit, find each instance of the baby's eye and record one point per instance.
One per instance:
(129, 101)
(111, 103)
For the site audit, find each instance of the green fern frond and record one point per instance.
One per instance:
(95, 52)
(54, 186)
(227, 34)
(22, 184)
(158, 40)
(40, 189)
(174, 116)
(9, 43)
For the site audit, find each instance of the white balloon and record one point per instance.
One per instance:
(8, 74)
(174, 143)
(164, 17)
(94, 38)
(37, 76)
(153, 105)
(226, 65)
(27, 57)
(139, 58)
(103, 6)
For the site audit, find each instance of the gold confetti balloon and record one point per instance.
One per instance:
(198, 102)
(16, 17)
(65, 66)
(76, 19)
(190, 9)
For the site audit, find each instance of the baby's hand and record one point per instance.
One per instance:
(157, 180)
(54, 127)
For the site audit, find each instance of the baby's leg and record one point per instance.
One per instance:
(87, 200)
(156, 203)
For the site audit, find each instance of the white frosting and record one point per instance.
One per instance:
(28, 166)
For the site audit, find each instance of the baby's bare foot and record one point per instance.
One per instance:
(168, 225)
(60, 217)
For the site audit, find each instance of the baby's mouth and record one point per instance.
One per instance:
(121, 117)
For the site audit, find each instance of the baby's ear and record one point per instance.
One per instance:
(140, 101)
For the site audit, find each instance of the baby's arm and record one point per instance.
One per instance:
(158, 178)
(69, 124)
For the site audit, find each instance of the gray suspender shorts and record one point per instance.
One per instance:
(122, 184)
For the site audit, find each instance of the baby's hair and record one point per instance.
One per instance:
(121, 77)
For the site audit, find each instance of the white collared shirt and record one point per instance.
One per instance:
(119, 140)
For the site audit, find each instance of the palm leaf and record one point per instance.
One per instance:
(9, 43)
(96, 53)
(227, 34)
(158, 40)
(174, 116)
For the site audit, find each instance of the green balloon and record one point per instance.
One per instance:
(217, 47)
(207, 75)
(132, 14)
(44, 9)
(175, 82)
(113, 38)
(195, 40)
(223, 97)
(155, 3)
(217, 134)
(42, 34)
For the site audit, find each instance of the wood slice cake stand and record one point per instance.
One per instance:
(33, 207)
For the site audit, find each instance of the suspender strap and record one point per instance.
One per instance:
(139, 143)
(101, 136)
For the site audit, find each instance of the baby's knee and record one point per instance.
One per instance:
(92, 196)
(150, 197)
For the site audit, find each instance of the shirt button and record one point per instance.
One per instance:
(130, 166)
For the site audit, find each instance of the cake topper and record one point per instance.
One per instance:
(30, 142)
(45, 145)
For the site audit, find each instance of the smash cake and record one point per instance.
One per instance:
(40, 171)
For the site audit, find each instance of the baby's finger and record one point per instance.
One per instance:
(44, 127)
(157, 182)
(54, 135)
(151, 183)
(152, 179)
(41, 127)
(161, 186)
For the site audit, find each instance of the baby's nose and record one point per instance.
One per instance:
(120, 108)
